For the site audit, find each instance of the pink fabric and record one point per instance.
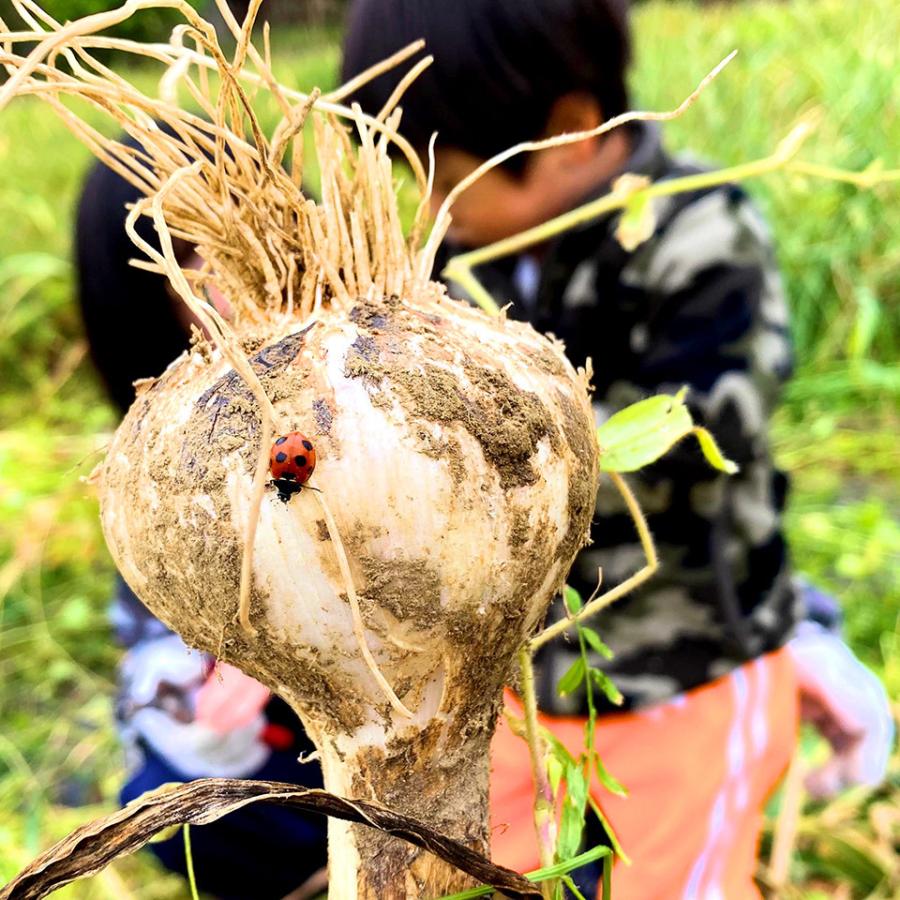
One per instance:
(699, 769)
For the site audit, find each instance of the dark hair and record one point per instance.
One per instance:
(499, 64)
(132, 326)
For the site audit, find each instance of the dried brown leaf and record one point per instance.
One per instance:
(93, 846)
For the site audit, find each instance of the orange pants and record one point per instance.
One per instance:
(698, 768)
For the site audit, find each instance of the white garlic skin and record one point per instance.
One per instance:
(457, 454)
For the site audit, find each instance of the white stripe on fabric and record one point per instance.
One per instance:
(755, 733)
(735, 751)
(742, 796)
(746, 701)
(759, 726)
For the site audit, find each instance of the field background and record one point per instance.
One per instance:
(837, 431)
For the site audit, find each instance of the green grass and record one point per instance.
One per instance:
(820, 58)
(836, 432)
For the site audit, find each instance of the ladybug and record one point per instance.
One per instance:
(291, 463)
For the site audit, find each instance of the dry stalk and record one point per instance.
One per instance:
(630, 584)
(443, 217)
(353, 599)
(93, 846)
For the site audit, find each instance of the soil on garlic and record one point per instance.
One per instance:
(441, 774)
(506, 421)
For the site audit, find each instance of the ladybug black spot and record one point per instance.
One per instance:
(307, 445)
(280, 457)
(300, 460)
(281, 440)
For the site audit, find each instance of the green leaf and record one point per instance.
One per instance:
(166, 834)
(604, 682)
(557, 748)
(572, 678)
(645, 431)
(576, 787)
(593, 639)
(545, 874)
(572, 599)
(637, 223)
(555, 770)
(571, 826)
(712, 452)
(610, 831)
(609, 781)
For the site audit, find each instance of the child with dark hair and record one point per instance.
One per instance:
(182, 715)
(711, 687)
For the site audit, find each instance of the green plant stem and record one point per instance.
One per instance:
(607, 878)
(573, 888)
(594, 606)
(459, 269)
(474, 288)
(542, 874)
(544, 807)
(868, 178)
(617, 200)
(189, 859)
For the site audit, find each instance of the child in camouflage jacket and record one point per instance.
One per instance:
(711, 695)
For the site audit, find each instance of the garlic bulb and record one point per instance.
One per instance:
(457, 453)
(456, 459)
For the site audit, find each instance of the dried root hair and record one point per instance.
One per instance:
(215, 180)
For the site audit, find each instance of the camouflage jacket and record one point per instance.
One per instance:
(700, 304)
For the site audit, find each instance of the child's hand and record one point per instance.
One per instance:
(848, 705)
(229, 699)
(203, 721)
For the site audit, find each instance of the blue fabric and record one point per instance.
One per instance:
(259, 852)
(820, 607)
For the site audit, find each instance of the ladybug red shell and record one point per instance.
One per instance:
(291, 462)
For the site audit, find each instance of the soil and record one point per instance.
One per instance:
(506, 421)
(408, 589)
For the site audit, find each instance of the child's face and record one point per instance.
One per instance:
(498, 205)
(552, 180)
